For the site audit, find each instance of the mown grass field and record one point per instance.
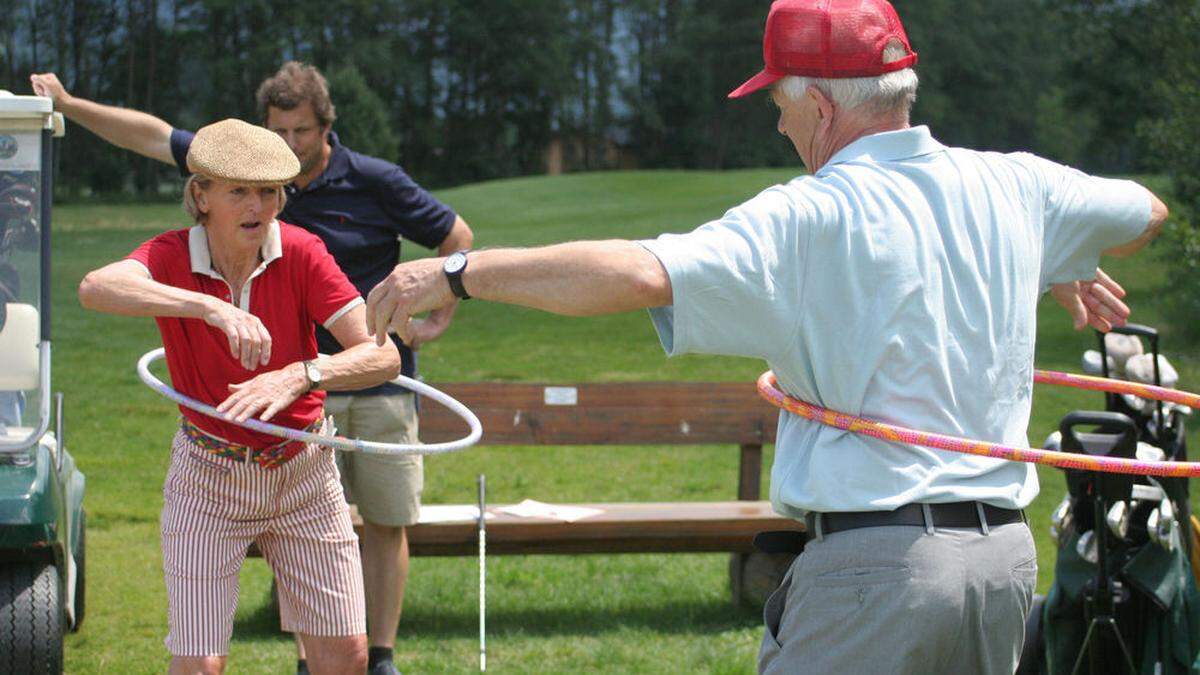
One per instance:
(630, 613)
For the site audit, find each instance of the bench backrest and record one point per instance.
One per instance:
(627, 413)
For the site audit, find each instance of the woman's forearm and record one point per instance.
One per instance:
(124, 288)
(361, 366)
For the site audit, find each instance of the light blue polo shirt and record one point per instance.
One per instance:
(900, 283)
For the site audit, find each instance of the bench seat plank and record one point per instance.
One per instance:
(641, 527)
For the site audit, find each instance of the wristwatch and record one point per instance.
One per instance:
(455, 265)
(313, 374)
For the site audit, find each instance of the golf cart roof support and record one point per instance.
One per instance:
(33, 438)
(47, 202)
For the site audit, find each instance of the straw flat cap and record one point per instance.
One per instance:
(238, 152)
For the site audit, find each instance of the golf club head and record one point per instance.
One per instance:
(1120, 348)
(1092, 364)
(1135, 403)
(1150, 453)
(1167, 523)
(1140, 368)
(1160, 525)
(1086, 547)
(1061, 521)
(1053, 441)
(1117, 519)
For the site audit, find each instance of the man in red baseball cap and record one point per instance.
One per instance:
(899, 281)
(829, 39)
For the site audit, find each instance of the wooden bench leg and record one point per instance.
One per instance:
(749, 489)
(737, 586)
(750, 472)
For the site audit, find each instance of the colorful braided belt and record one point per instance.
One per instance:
(268, 458)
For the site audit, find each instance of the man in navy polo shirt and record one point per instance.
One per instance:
(359, 206)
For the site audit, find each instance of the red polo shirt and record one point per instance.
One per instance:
(297, 284)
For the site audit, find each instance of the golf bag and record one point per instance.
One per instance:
(1124, 597)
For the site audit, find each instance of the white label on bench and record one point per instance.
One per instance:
(562, 396)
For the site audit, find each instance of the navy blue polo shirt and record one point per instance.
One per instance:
(360, 207)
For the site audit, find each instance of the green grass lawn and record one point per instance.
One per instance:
(619, 613)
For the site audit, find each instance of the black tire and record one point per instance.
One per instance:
(80, 577)
(1033, 655)
(31, 619)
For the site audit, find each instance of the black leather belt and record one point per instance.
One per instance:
(946, 516)
(956, 515)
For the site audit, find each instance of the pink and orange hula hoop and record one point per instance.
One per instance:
(768, 388)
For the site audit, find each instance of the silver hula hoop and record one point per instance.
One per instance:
(338, 442)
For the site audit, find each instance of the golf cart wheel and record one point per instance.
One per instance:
(80, 578)
(31, 618)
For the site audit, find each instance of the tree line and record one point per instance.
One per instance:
(463, 90)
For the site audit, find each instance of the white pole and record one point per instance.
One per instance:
(482, 575)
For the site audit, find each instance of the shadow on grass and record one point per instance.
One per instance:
(666, 618)
(103, 520)
(260, 624)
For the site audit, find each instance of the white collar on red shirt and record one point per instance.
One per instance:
(272, 249)
(201, 256)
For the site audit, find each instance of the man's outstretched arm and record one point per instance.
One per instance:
(576, 279)
(133, 130)
(1158, 216)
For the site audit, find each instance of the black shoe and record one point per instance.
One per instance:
(384, 668)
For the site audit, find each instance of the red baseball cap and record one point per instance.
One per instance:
(828, 39)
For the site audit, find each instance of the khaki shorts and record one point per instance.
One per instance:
(213, 508)
(387, 489)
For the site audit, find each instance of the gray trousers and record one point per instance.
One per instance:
(901, 600)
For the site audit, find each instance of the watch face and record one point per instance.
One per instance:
(313, 372)
(455, 263)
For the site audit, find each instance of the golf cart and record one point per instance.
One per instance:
(41, 492)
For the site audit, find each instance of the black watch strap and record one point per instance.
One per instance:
(456, 285)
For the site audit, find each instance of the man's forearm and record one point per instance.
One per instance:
(133, 130)
(577, 279)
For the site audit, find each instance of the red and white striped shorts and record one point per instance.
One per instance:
(214, 508)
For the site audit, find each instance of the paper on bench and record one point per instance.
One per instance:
(535, 509)
(450, 513)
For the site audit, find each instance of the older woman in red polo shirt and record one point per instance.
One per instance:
(235, 298)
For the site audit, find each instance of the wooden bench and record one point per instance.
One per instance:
(639, 527)
(640, 413)
(677, 413)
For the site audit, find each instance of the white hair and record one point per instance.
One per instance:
(893, 92)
